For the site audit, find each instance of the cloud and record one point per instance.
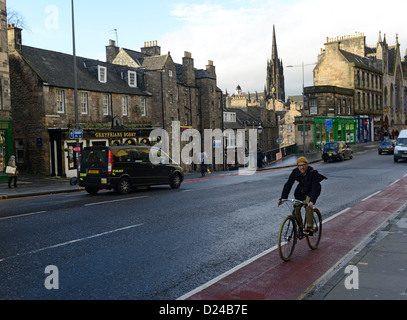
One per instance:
(229, 37)
(235, 34)
(238, 37)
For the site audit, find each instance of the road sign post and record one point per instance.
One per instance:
(76, 134)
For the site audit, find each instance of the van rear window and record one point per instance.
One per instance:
(95, 158)
(330, 146)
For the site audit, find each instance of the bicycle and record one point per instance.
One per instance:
(289, 231)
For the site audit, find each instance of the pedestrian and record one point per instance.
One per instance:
(204, 160)
(11, 176)
(393, 134)
(260, 158)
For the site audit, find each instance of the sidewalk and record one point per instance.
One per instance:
(381, 267)
(31, 185)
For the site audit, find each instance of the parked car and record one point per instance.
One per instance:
(336, 150)
(400, 150)
(124, 167)
(386, 146)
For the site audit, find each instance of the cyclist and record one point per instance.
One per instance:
(308, 191)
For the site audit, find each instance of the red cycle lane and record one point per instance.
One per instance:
(269, 278)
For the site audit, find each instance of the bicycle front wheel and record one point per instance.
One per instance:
(287, 238)
(314, 239)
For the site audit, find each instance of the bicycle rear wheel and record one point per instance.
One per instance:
(287, 238)
(314, 239)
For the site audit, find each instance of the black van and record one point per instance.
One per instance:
(124, 167)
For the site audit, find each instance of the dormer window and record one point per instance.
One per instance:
(102, 74)
(132, 79)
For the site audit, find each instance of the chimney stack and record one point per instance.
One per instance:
(111, 51)
(151, 48)
(14, 37)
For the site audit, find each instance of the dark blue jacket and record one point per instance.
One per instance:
(308, 185)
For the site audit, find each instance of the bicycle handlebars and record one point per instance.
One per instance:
(293, 201)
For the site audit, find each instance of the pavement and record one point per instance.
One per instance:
(374, 267)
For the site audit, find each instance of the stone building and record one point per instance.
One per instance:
(286, 116)
(119, 101)
(6, 141)
(252, 118)
(180, 92)
(394, 84)
(362, 88)
(258, 110)
(251, 111)
(329, 105)
(113, 106)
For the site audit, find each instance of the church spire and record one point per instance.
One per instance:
(274, 53)
(275, 73)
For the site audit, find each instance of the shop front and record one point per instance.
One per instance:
(328, 129)
(365, 132)
(63, 155)
(6, 147)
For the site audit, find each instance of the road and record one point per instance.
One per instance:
(161, 243)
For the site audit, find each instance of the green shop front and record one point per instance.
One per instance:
(334, 129)
(6, 146)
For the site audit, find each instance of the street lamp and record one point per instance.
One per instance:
(77, 149)
(303, 100)
(260, 131)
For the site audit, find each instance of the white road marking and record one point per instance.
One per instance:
(22, 215)
(110, 201)
(371, 195)
(72, 241)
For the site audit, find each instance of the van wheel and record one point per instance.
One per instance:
(124, 186)
(176, 180)
(92, 191)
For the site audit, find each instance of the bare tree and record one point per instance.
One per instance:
(14, 17)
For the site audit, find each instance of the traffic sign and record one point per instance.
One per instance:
(76, 134)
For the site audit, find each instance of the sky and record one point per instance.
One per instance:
(235, 34)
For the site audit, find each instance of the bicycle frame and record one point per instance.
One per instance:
(288, 235)
(297, 203)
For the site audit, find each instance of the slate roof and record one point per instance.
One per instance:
(361, 62)
(56, 69)
(135, 55)
(155, 62)
(250, 116)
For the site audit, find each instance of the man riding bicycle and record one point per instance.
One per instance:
(308, 191)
